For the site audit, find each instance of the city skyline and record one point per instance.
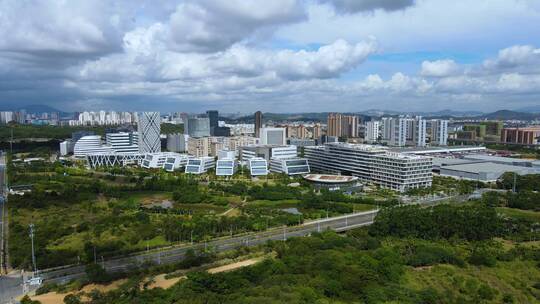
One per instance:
(282, 56)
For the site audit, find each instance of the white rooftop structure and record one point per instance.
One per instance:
(485, 171)
(89, 145)
(330, 179)
(200, 165)
(226, 167)
(258, 166)
(289, 166)
(175, 161)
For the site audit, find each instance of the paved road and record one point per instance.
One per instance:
(10, 288)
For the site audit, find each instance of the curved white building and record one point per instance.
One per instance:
(89, 145)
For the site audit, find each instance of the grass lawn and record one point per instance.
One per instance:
(363, 207)
(520, 214)
(274, 204)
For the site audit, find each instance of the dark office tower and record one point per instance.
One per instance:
(213, 116)
(258, 123)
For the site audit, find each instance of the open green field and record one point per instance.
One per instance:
(520, 214)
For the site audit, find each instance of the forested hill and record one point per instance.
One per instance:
(63, 132)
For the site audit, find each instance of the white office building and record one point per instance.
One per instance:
(175, 161)
(273, 136)
(439, 132)
(66, 147)
(200, 165)
(158, 160)
(89, 145)
(376, 164)
(267, 152)
(289, 166)
(373, 131)
(149, 129)
(226, 167)
(257, 166)
(123, 142)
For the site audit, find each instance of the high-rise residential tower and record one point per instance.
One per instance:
(419, 131)
(342, 125)
(372, 131)
(258, 123)
(398, 131)
(439, 132)
(149, 129)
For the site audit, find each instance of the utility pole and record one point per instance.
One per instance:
(514, 185)
(33, 253)
(284, 233)
(11, 142)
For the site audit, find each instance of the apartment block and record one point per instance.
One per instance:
(342, 125)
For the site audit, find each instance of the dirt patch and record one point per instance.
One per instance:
(50, 298)
(422, 268)
(232, 212)
(233, 266)
(161, 282)
(58, 298)
(104, 288)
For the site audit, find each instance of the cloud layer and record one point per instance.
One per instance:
(282, 55)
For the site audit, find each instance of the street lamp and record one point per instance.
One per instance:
(33, 253)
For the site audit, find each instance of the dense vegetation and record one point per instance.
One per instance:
(375, 265)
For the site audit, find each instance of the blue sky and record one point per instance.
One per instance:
(280, 55)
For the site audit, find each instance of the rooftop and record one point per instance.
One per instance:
(490, 167)
(330, 179)
(431, 150)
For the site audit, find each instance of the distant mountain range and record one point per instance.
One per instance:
(510, 115)
(366, 115)
(32, 109)
(529, 113)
